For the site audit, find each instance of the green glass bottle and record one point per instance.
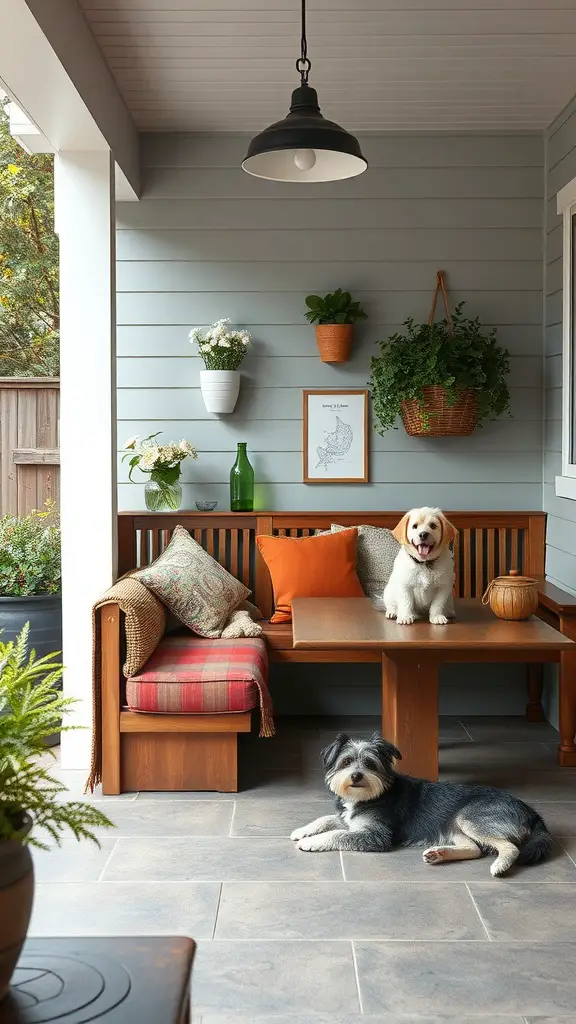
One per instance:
(242, 482)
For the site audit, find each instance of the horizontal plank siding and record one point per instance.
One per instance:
(561, 527)
(208, 241)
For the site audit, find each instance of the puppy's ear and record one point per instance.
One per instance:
(330, 754)
(400, 532)
(449, 531)
(388, 749)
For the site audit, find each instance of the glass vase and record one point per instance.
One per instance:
(162, 495)
(242, 482)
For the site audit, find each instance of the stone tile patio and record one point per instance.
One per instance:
(292, 938)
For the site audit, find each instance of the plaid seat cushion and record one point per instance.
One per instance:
(187, 675)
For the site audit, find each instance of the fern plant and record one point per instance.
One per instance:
(31, 708)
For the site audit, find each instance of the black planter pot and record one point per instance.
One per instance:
(44, 613)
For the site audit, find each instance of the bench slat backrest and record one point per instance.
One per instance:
(487, 544)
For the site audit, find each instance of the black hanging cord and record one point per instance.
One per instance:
(303, 65)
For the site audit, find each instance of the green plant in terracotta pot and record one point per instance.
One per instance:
(334, 315)
(32, 810)
(443, 378)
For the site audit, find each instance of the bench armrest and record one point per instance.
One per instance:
(555, 600)
(142, 623)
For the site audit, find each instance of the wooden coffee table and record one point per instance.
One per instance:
(412, 656)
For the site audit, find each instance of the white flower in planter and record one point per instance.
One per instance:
(222, 350)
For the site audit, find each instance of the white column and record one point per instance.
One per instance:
(84, 214)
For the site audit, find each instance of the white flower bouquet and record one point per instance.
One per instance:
(162, 462)
(220, 347)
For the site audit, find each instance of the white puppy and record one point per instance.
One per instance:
(423, 575)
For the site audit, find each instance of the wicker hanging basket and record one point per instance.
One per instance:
(434, 417)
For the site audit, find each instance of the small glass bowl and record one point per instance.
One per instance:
(205, 506)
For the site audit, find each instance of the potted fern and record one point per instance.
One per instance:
(334, 315)
(443, 378)
(31, 806)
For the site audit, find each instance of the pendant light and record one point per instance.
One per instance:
(304, 146)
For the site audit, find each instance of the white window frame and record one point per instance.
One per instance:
(565, 485)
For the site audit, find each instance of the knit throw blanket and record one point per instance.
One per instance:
(145, 619)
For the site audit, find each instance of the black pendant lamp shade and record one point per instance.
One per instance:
(304, 146)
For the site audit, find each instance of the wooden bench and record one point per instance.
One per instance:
(137, 753)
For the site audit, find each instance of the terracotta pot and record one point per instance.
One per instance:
(334, 342)
(16, 897)
(512, 597)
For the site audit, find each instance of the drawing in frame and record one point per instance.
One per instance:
(335, 441)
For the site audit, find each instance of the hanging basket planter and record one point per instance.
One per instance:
(443, 378)
(334, 342)
(434, 417)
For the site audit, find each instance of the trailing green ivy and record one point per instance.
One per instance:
(428, 355)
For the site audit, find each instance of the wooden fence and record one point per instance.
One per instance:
(29, 454)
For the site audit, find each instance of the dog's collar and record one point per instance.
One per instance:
(418, 562)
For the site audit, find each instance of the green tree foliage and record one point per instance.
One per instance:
(29, 302)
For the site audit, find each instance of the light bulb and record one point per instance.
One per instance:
(304, 159)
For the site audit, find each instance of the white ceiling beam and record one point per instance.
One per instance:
(52, 67)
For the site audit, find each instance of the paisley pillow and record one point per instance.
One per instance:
(193, 585)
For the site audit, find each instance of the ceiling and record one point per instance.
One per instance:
(379, 65)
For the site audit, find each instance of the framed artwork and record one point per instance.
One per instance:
(335, 443)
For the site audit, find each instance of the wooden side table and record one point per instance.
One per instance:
(412, 656)
(119, 981)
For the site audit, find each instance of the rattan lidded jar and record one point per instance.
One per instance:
(512, 597)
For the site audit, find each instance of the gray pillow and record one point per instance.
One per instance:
(376, 551)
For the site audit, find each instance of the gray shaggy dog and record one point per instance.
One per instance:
(378, 809)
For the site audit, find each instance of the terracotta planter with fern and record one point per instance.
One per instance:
(442, 378)
(334, 315)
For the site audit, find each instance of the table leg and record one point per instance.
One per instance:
(410, 710)
(535, 677)
(567, 709)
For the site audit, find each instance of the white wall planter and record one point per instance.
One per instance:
(220, 389)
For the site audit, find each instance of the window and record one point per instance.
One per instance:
(566, 205)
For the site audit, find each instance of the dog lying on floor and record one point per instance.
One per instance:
(378, 809)
(422, 578)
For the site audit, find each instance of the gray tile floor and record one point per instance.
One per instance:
(294, 938)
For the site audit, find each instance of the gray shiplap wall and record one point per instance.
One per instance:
(560, 159)
(561, 531)
(207, 241)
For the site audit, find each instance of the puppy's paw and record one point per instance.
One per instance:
(405, 620)
(299, 833)
(390, 614)
(313, 844)
(439, 620)
(433, 856)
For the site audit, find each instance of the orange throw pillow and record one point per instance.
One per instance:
(322, 566)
